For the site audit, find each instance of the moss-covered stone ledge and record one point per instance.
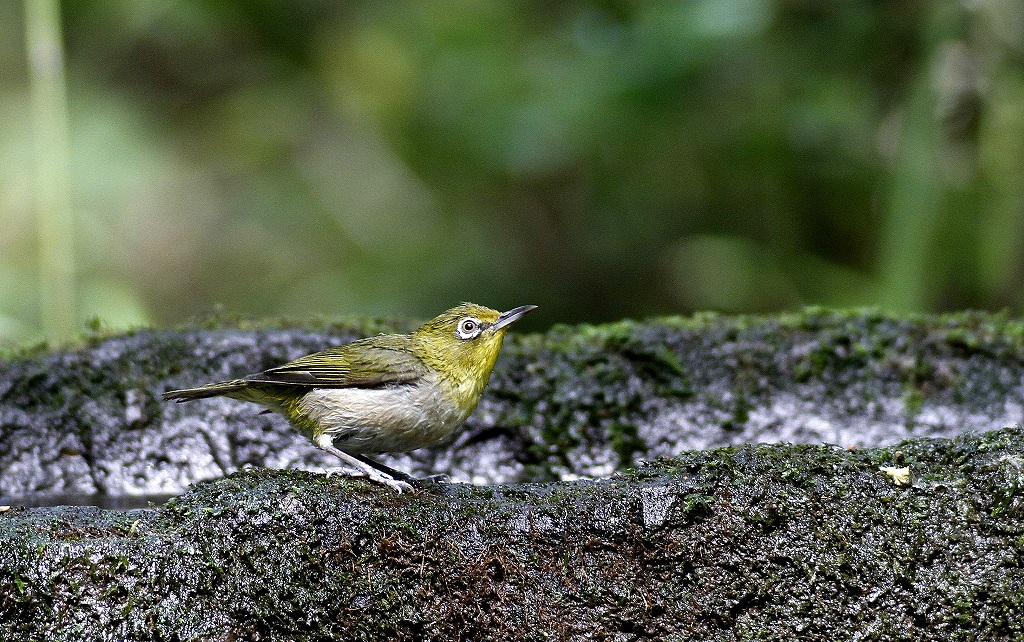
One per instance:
(770, 542)
(575, 401)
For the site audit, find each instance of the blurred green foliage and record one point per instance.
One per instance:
(600, 159)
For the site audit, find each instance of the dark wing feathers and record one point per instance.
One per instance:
(364, 364)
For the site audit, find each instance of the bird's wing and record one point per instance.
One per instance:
(366, 363)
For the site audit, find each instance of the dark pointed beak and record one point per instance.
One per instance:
(506, 319)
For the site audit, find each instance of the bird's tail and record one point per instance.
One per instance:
(211, 390)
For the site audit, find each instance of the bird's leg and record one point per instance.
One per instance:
(397, 474)
(387, 470)
(370, 472)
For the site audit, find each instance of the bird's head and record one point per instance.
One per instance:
(462, 344)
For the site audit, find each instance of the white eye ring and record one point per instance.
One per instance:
(468, 328)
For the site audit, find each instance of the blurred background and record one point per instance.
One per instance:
(601, 159)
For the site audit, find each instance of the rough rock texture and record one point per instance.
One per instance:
(767, 542)
(752, 542)
(574, 402)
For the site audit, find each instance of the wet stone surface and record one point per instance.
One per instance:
(575, 402)
(769, 542)
(743, 542)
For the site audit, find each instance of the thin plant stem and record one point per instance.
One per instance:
(56, 224)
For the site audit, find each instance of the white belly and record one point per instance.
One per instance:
(379, 420)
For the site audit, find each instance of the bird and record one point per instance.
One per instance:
(384, 394)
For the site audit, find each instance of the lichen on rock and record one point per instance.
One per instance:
(577, 401)
(750, 542)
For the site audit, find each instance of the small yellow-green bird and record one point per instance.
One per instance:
(383, 394)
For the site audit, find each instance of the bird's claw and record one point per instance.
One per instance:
(397, 485)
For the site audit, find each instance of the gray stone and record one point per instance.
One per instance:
(768, 542)
(573, 403)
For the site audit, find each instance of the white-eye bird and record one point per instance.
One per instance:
(383, 394)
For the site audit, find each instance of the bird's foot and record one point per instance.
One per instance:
(397, 485)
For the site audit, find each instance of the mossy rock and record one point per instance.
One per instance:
(716, 538)
(769, 542)
(577, 401)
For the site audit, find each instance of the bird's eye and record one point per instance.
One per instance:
(468, 328)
